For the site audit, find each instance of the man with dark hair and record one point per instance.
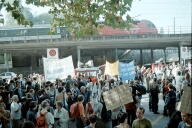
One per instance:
(43, 96)
(18, 91)
(187, 121)
(80, 122)
(92, 120)
(31, 114)
(170, 100)
(141, 120)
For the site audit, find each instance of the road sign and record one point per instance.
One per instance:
(52, 53)
(184, 52)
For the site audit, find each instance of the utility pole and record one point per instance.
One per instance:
(174, 24)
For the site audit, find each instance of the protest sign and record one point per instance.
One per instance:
(117, 97)
(112, 68)
(58, 68)
(186, 98)
(125, 94)
(126, 71)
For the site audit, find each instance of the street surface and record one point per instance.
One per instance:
(157, 120)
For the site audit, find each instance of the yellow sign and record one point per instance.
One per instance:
(112, 68)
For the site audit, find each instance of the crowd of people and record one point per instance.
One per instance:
(30, 102)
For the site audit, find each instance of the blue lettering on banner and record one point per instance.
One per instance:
(127, 70)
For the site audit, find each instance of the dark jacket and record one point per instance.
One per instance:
(31, 116)
(16, 92)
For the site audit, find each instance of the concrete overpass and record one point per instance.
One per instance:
(66, 47)
(89, 46)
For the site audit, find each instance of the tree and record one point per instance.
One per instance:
(80, 17)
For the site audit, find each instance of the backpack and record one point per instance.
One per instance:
(74, 110)
(105, 115)
(41, 121)
(143, 89)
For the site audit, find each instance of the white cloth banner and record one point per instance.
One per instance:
(58, 68)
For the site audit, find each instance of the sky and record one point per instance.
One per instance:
(163, 13)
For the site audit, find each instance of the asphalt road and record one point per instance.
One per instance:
(157, 120)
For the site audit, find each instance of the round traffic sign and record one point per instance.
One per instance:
(184, 49)
(52, 52)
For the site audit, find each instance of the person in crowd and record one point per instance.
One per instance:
(141, 121)
(89, 109)
(61, 96)
(5, 116)
(29, 86)
(18, 91)
(61, 116)
(131, 107)
(170, 100)
(154, 93)
(28, 124)
(25, 105)
(58, 83)
(43, 96)
(31, 113)
(174, 120)
(84, 93)
(122, 118)
(80, 83)
(165, 90)
(187, 120)
(52, 93)
(49, 118)
(80, 122)
(10, 86)
(32, 91)
(21, 79)
(106, 114)
(69, 82)
(49, 107)
(178, 84)
(15, 112)
(5, 97)
(92, 120)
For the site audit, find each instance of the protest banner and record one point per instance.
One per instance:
(58, 68)
(127, 70)
(185, 105)
(112, 68)
(117, 97)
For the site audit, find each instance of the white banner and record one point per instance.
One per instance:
(52, 53)
(58, 68)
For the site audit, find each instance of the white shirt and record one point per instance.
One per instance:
(48, 117)
(14, 113)
(64, 117)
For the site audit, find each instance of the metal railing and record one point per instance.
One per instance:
(53, 38)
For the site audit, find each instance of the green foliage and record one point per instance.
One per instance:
(15, 9)
(79, 16)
